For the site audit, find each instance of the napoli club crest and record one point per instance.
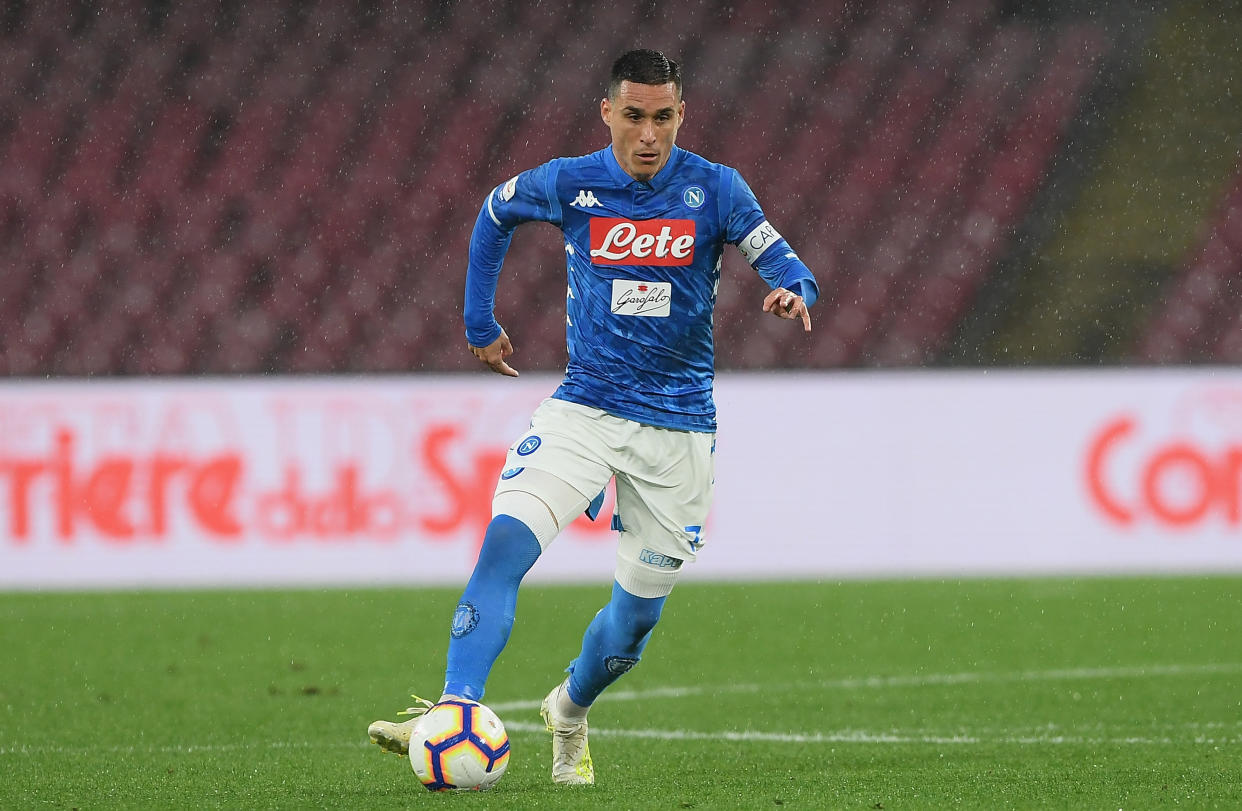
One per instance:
(465, 619)
(694, 197)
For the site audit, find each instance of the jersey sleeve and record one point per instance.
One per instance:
(528, 197)
(764, 248)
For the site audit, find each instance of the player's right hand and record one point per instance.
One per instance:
(494, 355)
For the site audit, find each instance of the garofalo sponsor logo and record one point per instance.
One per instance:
(641, 298)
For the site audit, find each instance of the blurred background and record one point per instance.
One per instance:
(286, 187)
(233, 244)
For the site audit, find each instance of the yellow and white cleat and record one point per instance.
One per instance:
(394, 736)
(571, 757)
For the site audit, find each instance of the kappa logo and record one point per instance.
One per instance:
(586, 199)
(653, 558)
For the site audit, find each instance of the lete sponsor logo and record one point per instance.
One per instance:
(642, 242)
(1183, 481)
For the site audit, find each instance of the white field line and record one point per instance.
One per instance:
(847, 736)
(925, 680)
(894, 736)
(1047, 737)
(187, 749)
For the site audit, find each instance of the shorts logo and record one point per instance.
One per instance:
(511, 472)
(616, 241)
(696, 532)
(659, 560)
(528, 446)
(465, 619)
(694, 197)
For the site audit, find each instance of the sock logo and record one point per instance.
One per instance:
(465, 618)
(618, 665)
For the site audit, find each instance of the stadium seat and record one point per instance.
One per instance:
(281, 177)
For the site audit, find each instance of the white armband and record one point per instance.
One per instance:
(757, 241)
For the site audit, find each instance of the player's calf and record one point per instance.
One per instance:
(613, 643)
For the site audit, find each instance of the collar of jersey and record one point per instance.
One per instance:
(662, 178)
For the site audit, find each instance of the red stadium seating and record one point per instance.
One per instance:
(1198, 320)
(224, 188)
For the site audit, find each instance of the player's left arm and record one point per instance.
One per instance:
(794, 289)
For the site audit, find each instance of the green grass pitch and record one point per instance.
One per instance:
(1059, 693)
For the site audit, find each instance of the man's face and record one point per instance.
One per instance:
(644, 119)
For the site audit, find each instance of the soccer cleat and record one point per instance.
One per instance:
(571, 757)
(394, 736)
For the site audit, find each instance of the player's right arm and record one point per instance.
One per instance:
(529, 196)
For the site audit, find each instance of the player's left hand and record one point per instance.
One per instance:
(494, 355)
(784, 303)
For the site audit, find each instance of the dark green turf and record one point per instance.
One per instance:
(1093, 693)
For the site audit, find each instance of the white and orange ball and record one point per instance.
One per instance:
(459, 744)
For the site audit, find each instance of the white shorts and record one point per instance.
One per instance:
(664, 479)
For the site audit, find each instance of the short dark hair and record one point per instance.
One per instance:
(644, 66)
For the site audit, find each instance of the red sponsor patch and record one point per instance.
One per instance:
(616, 241)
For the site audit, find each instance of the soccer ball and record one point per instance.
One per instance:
(459, 744)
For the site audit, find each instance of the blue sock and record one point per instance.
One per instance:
(484, 615)
(613, 643)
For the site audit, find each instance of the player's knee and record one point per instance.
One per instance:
(509, 549)
(531, 511)
(633, 617)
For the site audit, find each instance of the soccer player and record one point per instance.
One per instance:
(645, 224)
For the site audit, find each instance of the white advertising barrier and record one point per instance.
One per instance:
(389, 480)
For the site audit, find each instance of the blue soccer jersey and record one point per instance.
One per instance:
(644, 263)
